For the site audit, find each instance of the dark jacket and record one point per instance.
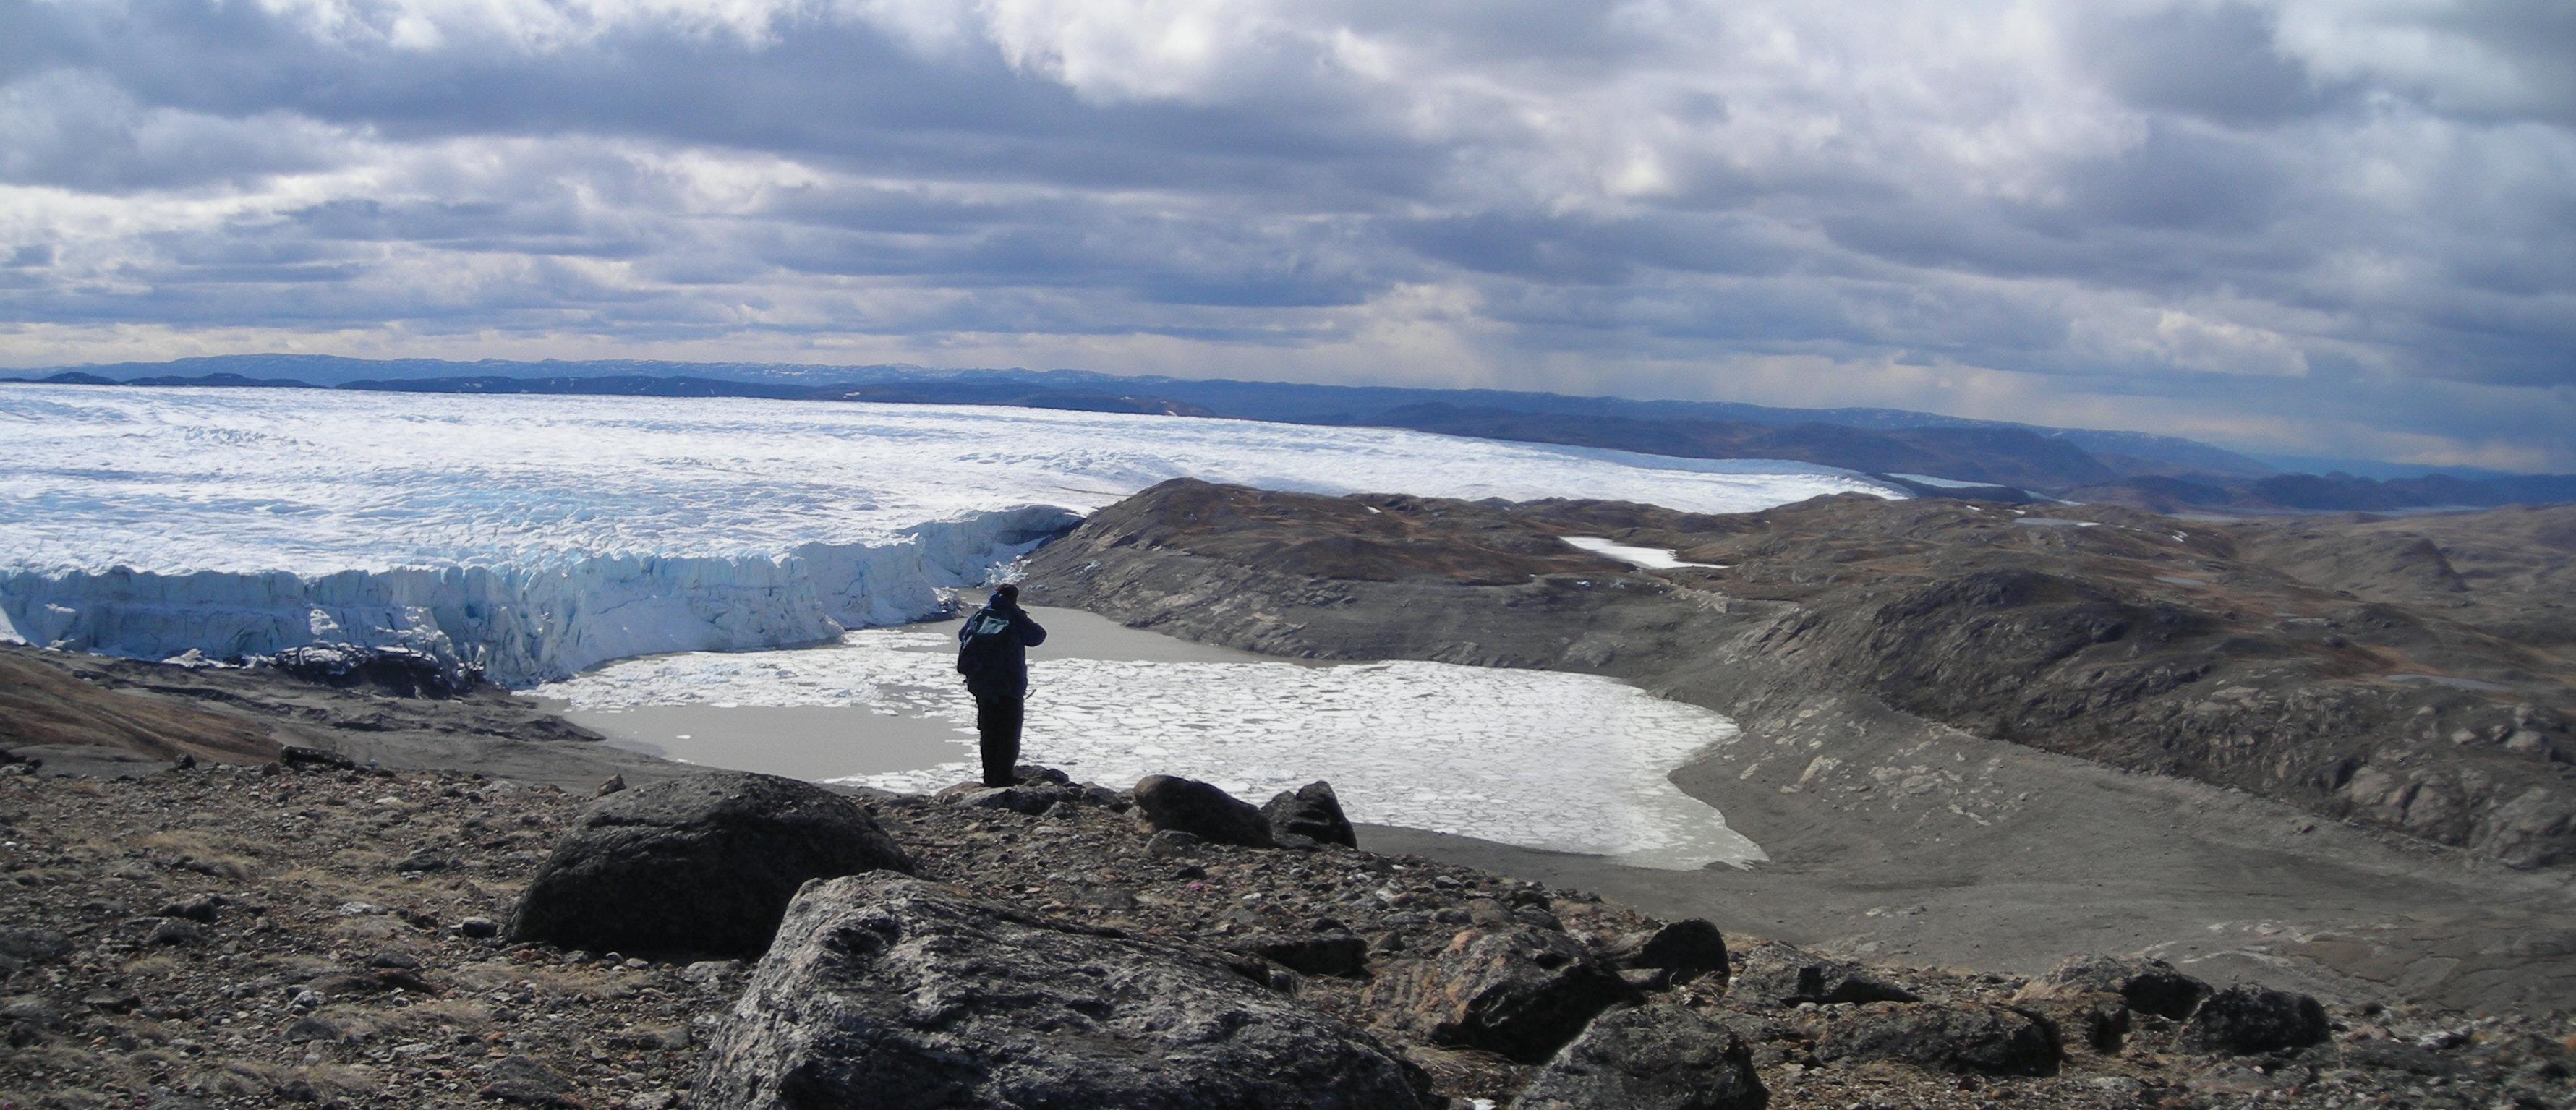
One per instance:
(996, 664)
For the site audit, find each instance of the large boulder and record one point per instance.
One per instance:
(2248, 1020)
(702, 865)
(1684, 950)
(1943, 1036)
(2147, 986)
(899, 994)
(1780, 975)
(1168, 802)
(1312, 811)
(1659, 1057)
(1521, 991)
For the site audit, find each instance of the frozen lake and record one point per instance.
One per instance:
(1572, 763)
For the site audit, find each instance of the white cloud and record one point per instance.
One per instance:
(2061, 199)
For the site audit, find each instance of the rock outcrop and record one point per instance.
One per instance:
(1657, 1057)
(1312, 811)
(703, 865)
(1780, 975)
(893, 992)
(1942, 1036)
(2147, 986)
(1682, 950)
(1326, 948)
(1520, 991)
(2249, 1020)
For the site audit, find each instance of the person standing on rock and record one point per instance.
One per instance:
(992, 652)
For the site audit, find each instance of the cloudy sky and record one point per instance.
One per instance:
(2338, 227)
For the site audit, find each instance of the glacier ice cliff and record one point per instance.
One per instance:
(535, 536)
(524, 624)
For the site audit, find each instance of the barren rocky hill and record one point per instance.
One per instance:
(2245, 656)
(1973, 735)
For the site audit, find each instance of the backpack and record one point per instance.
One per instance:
(985, 645)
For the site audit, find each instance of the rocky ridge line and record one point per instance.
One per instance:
(2119, 637)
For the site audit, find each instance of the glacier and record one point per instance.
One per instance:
(536, 536)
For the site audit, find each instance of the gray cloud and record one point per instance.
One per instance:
(2340, 224)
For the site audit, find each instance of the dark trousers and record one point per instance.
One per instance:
(997, 725)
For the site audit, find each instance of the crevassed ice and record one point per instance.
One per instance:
(1559, 761)
(538, 535)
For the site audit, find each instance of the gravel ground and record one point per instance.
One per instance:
(239, 936)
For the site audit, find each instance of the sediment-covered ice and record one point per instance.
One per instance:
(1559, 761)
(539, 535)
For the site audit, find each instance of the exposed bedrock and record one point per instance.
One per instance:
(892, 992)
(2115, 636)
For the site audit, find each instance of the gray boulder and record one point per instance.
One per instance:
(1659, 1057)
(1520, 991)
(1171, 803)
(2248, 1020)
(1943, 1036)
(1779, 975)
(1312, 811)
(891, 992)
(702, 865)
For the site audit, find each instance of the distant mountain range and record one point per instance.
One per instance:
(2164, 473)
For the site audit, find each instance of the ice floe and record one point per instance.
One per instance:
(1559, 761)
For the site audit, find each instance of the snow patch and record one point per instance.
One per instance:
(1651, 558)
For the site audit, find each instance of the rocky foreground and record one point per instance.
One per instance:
(312, 934)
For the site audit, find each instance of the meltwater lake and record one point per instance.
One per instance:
(1565, 762)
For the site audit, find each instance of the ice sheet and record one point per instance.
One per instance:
(537, 535)
(317, 481)
(1559, 761)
